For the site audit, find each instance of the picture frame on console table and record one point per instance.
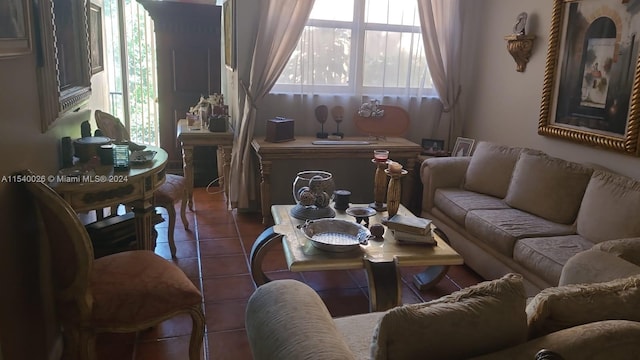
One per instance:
(463, 147)
(591, 89)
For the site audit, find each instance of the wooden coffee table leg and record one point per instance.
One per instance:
(259, 250)
(432, 275)
(429, 277)
(384, 284)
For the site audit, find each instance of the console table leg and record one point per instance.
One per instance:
(384, 284)
(259, 250)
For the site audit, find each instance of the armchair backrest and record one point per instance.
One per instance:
(69, 246)
(111, 126)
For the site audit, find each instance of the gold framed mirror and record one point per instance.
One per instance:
(64, 65)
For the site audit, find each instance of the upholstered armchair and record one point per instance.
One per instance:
(124, 292)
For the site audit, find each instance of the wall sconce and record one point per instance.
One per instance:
(519, 44)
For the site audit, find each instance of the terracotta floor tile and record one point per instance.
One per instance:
(176, 348)
(223, 316)
(236, 287)
(229, 345)
(343, 302)
(216, 266)
(216, 247)
(215, 217)
(334, 279)
(184, 249)
(217, 231)
(274, 260)
(462, 276)
(190, 266)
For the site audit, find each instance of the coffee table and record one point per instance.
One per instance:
(381, 259)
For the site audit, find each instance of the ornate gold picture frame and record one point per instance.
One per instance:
(591, 89)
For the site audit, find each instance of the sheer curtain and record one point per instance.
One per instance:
(441, 22)
(280, 25)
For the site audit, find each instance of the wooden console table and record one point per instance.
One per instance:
(303, 148)
(189, 138)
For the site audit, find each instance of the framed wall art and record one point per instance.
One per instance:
(15, 28)
(591, 89)
(228, 14)
(95, 36)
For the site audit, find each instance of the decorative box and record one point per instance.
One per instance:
(279, 130)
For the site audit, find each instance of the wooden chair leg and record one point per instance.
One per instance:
(197, 331)
(79, 344)
(172, 226)
(183, 210)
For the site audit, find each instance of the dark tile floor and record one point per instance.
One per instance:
(214, 254)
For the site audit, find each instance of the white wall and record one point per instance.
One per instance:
(505, 105)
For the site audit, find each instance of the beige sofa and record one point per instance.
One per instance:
(287, 320)
(508, 209)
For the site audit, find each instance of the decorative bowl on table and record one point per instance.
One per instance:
(335, 235)
(361, 213)
(141, 157)
(313, 191)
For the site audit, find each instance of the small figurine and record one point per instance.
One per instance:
(521, 21)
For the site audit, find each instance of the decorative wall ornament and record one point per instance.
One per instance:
(519, 44)
(591, 89)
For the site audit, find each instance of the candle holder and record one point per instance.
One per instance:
(379, 185)
(393, 190)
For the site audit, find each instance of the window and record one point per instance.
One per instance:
(363, 47)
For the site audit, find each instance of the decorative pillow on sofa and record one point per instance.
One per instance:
(490, 169)
(566, 306)
(548, 187)
(610, 208)
(478, 320)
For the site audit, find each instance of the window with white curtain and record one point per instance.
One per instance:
(359, 47)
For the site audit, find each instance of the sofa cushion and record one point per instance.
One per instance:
(501, 228)
(549, 187)
(477, 320)
(610, 208)
(545, 256)
(455, 203)
(566, 306)
(490, 169)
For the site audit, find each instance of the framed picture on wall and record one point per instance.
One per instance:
(228, 18)
(591, 90)
(463, 147)
(15, 28)
(95, 38)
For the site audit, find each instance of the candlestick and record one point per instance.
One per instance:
(379, 186)
(395, 167)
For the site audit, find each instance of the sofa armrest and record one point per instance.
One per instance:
(441, 172)
(628, 249)
(286, 319)
(593, 266)
(610, 339)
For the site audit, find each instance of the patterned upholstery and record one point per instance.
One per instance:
(124, 292)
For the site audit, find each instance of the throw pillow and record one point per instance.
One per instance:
(548, 187)
(609, 208)
(490, 169)
(567, 306)
(480, 319)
